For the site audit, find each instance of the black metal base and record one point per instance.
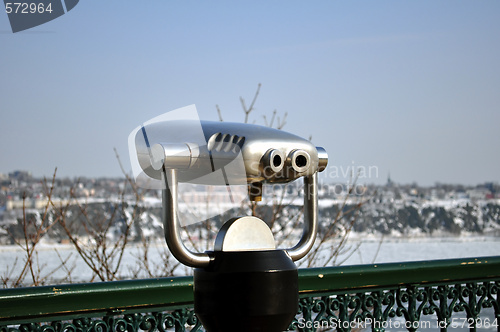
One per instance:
(247, 291)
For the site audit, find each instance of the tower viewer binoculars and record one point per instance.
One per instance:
(245, 281)
(259, 154)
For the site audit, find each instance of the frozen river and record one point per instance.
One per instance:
(356, 251)
(415, 249)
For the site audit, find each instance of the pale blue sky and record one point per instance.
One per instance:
(410, 87)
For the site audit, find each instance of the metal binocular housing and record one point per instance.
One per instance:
(168, 151)
(269, 155)
(245, 281)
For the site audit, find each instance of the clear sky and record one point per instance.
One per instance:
(406, 87)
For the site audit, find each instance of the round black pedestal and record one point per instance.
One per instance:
(247, 291)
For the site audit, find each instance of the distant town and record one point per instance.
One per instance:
(390, 209)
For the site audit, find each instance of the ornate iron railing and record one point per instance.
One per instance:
(381, 297)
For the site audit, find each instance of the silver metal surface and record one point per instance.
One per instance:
(176, 156)
(171, 225)
(244, 234)
(310, 219)
(268, 155)
(322, 159)
(173, 152)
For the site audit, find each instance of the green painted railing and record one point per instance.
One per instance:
(441, 294)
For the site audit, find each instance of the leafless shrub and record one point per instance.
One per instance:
(284, 219)
(33, 228)
(89, 228)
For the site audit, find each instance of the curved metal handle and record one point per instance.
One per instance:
(171, 226)
(310, 218)
(194, 259)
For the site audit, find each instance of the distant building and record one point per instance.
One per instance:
(20, 176)
(389, 181)
(478, 194)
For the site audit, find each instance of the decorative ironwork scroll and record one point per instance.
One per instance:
(177, 321)
(373, 310)
(377, 310)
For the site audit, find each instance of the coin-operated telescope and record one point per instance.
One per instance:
(245, 283)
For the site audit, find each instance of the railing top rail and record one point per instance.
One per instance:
(353, 278)
(92, 299)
